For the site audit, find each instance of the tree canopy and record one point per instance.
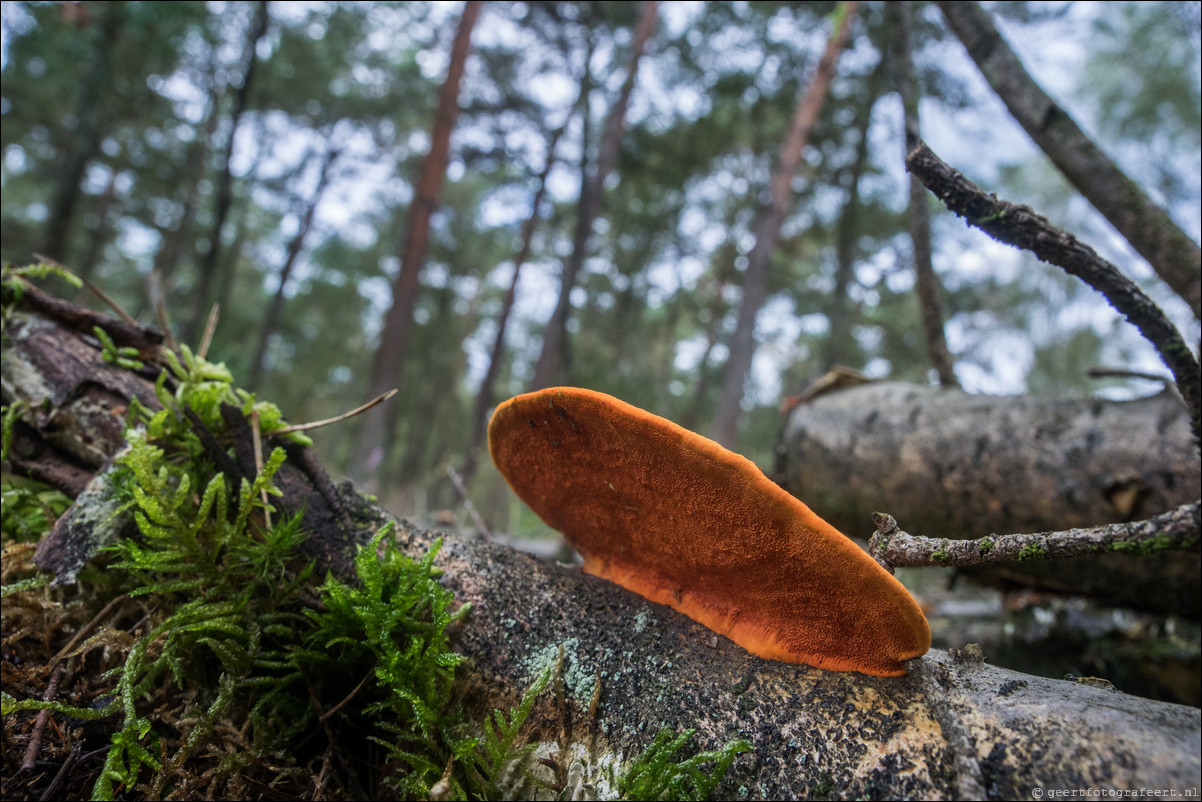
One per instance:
(267, 157)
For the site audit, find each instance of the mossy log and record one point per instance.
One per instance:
(954, 727)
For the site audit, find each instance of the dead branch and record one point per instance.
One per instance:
(1021, 227)
(1175, 529)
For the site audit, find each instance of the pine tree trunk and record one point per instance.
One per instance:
(767, 234)
(390, 353)
(551, 360)
(1173, 255)
(85, 139)
(225, 181)
(272, 319)
(918, 213)
(484, 397)
(846, 234)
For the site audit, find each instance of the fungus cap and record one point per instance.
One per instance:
(680, 520)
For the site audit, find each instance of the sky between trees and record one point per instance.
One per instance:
(144, 147)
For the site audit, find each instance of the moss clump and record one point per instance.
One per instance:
(1032, 552)
(1159, 542)
(219, 661)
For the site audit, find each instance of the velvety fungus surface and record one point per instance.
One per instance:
(680, 520)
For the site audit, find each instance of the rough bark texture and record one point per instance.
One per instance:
(767, 233)
(951, 465)
(1176, 529)
(954, 728)
(1173, 255)
(948, 464)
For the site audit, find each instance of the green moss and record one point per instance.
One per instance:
(941, 556)
(654, 775)
(244, 658)
(27, 508)
(1160, 542)
(1032, 552)
(985, 544)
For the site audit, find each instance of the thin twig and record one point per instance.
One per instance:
(35, 740)
(300, 427)
(154, 286)
(87, 628)
(206, 339)
(457, 481)
(257, 443)
(99, 293)
(324, 716)
(54, 788)
(1021, 227)
(1176, 529)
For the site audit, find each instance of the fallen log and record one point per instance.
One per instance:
(947, 464)
(954, 727)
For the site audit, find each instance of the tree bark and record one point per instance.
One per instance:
(767, 234)
(1173, 255)
(1021, 227)
(394, 338)
(918, 213)
(225, 181)
(953, 728)
(949, 464)
(551, 358)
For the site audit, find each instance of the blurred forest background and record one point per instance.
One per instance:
(267, 156)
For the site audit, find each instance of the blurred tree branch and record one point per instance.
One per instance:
(1173, 255)
(1021, 227)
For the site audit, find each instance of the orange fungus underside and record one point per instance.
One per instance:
(680, 520)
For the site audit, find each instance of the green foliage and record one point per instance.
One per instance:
(394, 621)
(121, 357)
(234, 628)
(41, 270)
(222, 581)
(654, 775)
(497, 748)
(27, 508)
(203, 386)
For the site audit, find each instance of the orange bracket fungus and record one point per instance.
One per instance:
(680, 520)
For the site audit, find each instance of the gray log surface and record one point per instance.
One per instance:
(945, 463)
